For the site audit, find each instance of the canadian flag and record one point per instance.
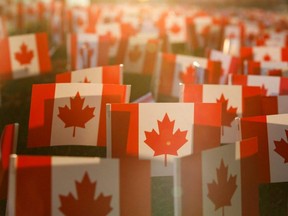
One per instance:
(72, 113)
(233, 32)
(230, 64)
(252, 31)
(274, 104)
(24, 55)
(199, 30)
(172, 69)
(141, 54)
(236, 100)
(273, 38)
(78, 19)
(271, 85)
(233, 38)
(164, 134)
(219, 181)
(264, 53)
(8, 144)
(265, 67)
(272, 134)
(110, 74)
(114, 33)
(176, 28)
(87, 50)
(45, 185)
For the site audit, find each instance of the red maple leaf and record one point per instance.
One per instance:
(205, 31)
(221, 192)
(282, 147)
(79, 21)
(267, 57)
(175, 28)
(188, 76)
(134, 54)
(86, 80)
(85, 203)
(264, 90)
(110, 37)
(166, 142)
(76, 116)
(228, 115)
(24, 56)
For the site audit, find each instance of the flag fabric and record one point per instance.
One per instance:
(8, 146)
(176, 28)
(113, 31)
(87, 50)
(199, 30)
(273, 38)
(274, 104)
(24, 55)
(233, 38)
(236, 100)
(265, 67)
(271, 85)
(164, 134)
(110, 74)
(141, 54)
(172, 69)
(218, 181)
(264, 53)
(230, 64)
(78, 19)
(71, 113)
(51, 185)
(3, 27)
(147, 98)
(272, 133)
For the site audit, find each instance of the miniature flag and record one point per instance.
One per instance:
(233, 38)
(110, 74)
(237, 101)
(8, 146)
(271, 85)
(199, 31)
(262, 53)
(176, 28)
(219, 181)
(274, 105)
(273, 38)
(24, 55)
(113, 31)
(163, 134)
(172, 69)
(141, 54)
(270, 68)
(45, 185)
(87, 50)
(71, 113)
(230, 64)
(78, 19)
(272, 134)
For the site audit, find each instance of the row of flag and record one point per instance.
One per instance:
(219, 136)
